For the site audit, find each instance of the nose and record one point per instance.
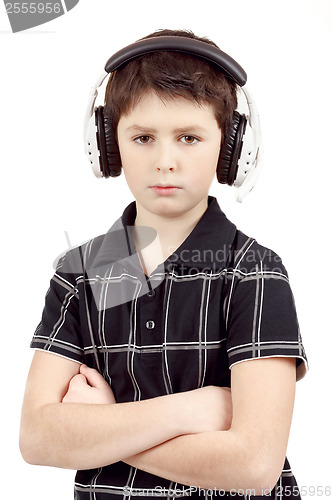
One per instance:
(166, 158)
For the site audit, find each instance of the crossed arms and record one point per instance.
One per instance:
(209, 437)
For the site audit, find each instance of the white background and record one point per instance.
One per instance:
(47, 187)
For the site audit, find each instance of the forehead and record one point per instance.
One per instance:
(166, 109)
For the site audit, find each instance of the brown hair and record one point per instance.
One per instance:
(171, 75)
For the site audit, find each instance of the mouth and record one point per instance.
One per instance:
(165, 189)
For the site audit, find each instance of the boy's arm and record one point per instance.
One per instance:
(84, 436)
(251, 454)
(248, 456)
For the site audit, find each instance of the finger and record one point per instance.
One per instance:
(78, 380)
(93, 377)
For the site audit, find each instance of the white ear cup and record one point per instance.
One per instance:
(249, 165)
(91, 147)
(247, 157)
(250, 179)
(90, 128)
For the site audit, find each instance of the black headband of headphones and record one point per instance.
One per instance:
(179, 44)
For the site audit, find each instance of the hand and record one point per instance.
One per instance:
(207, 409)
(89, 387)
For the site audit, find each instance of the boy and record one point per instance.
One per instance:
(152, 323)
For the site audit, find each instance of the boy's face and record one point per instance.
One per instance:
(172, 142)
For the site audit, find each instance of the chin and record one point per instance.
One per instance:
(165, 208)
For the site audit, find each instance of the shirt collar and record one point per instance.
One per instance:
(207, 247)
(209, 244)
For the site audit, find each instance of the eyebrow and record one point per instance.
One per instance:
(148, 130)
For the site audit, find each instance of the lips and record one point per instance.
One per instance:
(165, 189)
(165, 186)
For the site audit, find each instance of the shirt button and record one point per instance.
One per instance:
(150, 324)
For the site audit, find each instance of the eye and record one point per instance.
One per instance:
(143, 139)
(189, 139)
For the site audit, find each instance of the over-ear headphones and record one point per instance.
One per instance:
(239, 156)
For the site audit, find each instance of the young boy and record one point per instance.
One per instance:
(149, 393)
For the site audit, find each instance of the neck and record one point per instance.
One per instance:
(171, 231)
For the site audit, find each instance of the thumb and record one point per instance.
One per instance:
(93, 377)
(78, 380)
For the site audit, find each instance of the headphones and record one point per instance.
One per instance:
(239, 156)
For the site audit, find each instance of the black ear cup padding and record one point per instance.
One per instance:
(231, 150)
(112, 149)
(109, 159)
(100, 135)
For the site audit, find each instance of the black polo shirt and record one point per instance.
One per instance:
(219, 299)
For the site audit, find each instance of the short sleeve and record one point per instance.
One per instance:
(262, 320)
(59, 329)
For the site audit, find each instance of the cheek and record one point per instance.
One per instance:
(129, 161)
(214, 158)
(207, 161)
(125, 147)
(130, 176)
(123, 155)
